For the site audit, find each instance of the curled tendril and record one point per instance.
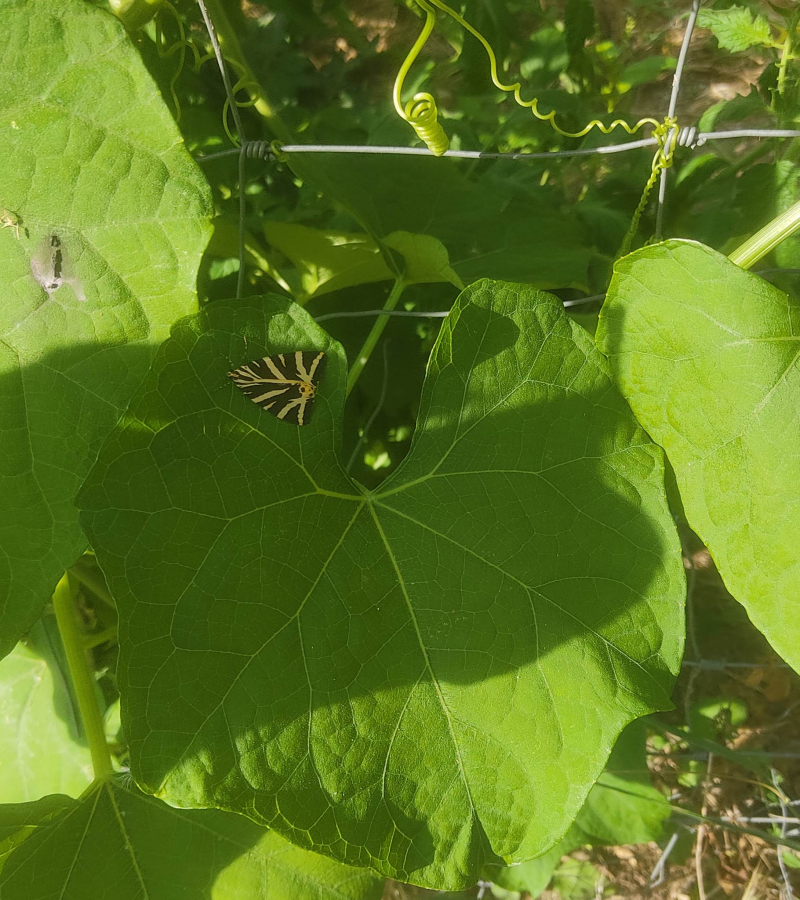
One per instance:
(516, 88)
(430, 122)
(165, 51)
(180, 47)
(245, 83)
(422, 115)
(421, 112)
(666, 134)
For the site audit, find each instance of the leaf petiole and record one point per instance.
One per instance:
(374, 336)
(767, 239)
(64, 603)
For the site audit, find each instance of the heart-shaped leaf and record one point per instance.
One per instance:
(424, 678)
(106, 217)
(708, 357)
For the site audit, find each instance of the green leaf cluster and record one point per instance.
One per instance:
(327, 677)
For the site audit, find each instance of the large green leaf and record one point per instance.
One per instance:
(120, 844)
(424, 678)
(490, 227)
(109, 224)
(707, 355)
(42, 750)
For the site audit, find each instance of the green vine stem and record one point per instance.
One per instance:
(82, 680)
(374, 336)
(784, 63)
(766, 240)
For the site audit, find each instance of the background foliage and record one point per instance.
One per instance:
(93, 157)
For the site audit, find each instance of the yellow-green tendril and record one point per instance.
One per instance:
(245, 82)
(421, 112)
(665, 133)
(180, 47)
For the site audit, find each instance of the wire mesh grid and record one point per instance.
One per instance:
(686, 136)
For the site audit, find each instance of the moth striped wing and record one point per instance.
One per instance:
(285, 384)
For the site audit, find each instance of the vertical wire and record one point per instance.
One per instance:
(673, 105)
(788, 893)
(237, 121)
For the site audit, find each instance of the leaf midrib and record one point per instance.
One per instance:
(424, 650)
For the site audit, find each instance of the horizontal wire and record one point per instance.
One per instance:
(441, 314)
(721, 664)
(381, 312)
(703, 754)
(779, 271)
(466, 154)
(761, 820)
(747, 132)
(423, 151)
(688, 137)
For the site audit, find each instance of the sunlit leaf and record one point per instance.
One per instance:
(42, 749)
(736, 28)
(111, 215)
(707, 356)
(489, 227)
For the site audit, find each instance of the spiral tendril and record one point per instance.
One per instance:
(428, 121)
(245, 83)
(421, 113)
(516, 88)
(666, 133)
(166, 50)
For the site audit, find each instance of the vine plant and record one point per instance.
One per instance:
(322, 683)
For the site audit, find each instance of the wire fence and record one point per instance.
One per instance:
(686, 136)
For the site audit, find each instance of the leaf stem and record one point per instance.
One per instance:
(783, 64)
(766, 240)
(374, 336)
(786, 53)
(63, 601)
